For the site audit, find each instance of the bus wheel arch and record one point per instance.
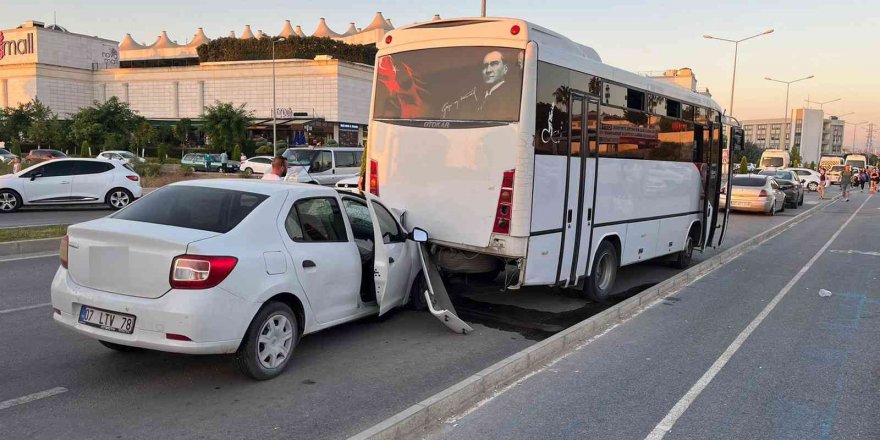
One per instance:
(682, 259)
(603, 274)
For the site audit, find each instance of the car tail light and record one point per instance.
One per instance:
(763, 193)
(65, 242)
(176, 337)
(374, 178)
(132, 178)
(505, 204)
(200, 272)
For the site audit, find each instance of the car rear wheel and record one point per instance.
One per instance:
(598, 285)
(10, 201)
(269, 342)
(119, 198)
(249, 170)
(813, 186)
(417, 299)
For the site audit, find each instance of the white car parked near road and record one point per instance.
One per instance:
(808, 177)
(257, 164)
(234, 266)
(70, 182)
(121, 155)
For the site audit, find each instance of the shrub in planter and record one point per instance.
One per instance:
(186, 170)
(148, 169)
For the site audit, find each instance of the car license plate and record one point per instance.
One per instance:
(107, 320)
(742, 204)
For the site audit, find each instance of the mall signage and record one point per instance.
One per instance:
(23, 46)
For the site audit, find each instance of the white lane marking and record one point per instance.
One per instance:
(31, 397)
(668, 422)
(21, 309)
(29, 257)
(853, 251)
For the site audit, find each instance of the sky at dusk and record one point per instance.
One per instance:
(838, 42)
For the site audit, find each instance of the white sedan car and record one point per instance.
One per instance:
(808, 177)
(121, 156)
(257, 165)
(234, 266)
(70, 182)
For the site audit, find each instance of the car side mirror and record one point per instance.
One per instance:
(418, 235)
(34, 176)
(803, 180)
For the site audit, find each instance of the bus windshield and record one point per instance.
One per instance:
(775, 162)
(450, 83)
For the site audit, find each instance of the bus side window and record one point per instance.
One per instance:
(551, 110)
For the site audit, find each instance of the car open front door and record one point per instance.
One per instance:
(389, 276)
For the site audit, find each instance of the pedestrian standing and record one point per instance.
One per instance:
(279, 169)
(207, 163)
(16, 165)
(846, 178)
(863, 178)
(224, 160)
(822, 183)
(875, 180)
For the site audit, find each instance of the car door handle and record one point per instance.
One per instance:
(309, 263)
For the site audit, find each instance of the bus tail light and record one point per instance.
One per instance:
(505, 204)
(374, 178)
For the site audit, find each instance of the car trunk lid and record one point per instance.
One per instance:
(127, 257)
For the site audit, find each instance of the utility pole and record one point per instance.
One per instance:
(483, 8)
(869, 138)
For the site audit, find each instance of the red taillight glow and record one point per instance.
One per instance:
(176, 337)
(132, 178)
(505, 204)
(514, 30)
(388, 39)
(200, 272)
(65, 242)
(763, 193)
(374, 178)
(56, 311)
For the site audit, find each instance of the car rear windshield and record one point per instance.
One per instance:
(193, 207)
(748, 181)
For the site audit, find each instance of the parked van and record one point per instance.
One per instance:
(775, 159)
(323, 165)
(829, 161)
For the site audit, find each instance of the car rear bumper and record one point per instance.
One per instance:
(213, 319)
(749, 205)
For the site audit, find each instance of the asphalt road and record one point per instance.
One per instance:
(55, 215)
(342, 380)
(806, 369)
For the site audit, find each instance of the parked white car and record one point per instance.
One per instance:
(808, 177)
(234, 266)
(6, 156)
(121, 156)
(70, 182)
(257, 165)
(323, 165)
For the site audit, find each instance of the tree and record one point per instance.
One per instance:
(750, 151)
(59, 134)
(813, 165)
(40, 128)
(84, 149)
(144, 134)
(796, 156)
(182, 131)
(15, 121)
(226, 125)
(236, 152)
(112, 118)
(743, 165)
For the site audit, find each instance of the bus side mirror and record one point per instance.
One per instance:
(737, 139)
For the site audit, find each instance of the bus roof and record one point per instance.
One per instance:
(554, 48)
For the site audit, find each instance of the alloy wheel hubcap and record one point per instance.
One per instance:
(119, 199)
(275, 341)
(7, 202)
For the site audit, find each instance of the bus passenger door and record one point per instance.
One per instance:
(735, 144)
(573, 212)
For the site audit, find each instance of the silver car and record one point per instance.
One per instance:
(322, 165)
(755, 193)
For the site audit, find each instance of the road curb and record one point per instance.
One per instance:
(15, 248)
(417, 419)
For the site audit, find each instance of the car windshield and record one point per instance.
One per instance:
(193, 207)
(299, 157)
(56, 153)
(748, 181)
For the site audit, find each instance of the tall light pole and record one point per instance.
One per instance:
(855, 129)
(735, 52)
(483, 8)
(787, 88)
(274, 121)
(821, 104)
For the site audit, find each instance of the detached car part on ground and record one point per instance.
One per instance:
(238, 266)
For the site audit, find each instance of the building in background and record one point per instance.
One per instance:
(316, 99)
(807, 129)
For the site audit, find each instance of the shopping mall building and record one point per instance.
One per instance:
(316, 99)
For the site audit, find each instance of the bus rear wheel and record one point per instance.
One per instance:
(598, 285)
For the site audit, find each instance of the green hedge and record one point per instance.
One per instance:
(234, 49)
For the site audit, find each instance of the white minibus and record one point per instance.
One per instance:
(774, 158)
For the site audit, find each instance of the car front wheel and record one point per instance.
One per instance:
(269, 342)
(119, 198)
(9, 201)
(813, 186)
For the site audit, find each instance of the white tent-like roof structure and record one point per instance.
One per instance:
(324, 30)
(299, 31)
(246, 34)
(199, 39)
(128, 43)
(287, 30)
(378, 22)
(352, 29)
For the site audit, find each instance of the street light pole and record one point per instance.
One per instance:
(787, 88)
(821, 104)
(735, 53)
(483, 8)
(855, 129)
(274, 121)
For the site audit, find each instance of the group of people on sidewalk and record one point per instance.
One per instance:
(849, 178)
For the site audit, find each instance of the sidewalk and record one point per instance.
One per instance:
(806, 371)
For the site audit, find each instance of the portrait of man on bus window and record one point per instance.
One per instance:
(497, 96)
